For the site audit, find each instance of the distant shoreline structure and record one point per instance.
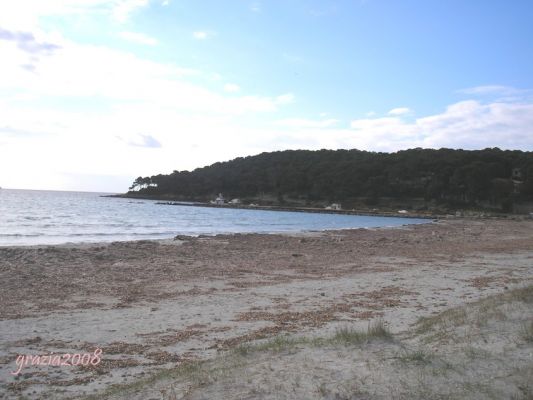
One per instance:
(355, 212)
(161, 201)
(297, 209)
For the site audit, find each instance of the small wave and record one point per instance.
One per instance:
(19, 235)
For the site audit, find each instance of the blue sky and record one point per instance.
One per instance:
(94, 93)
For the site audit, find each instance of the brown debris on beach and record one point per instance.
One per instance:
(156, 304)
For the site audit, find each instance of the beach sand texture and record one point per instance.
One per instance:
(155, 306)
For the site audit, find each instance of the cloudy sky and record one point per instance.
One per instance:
(94, 93)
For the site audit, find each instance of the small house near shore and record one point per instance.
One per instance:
(219, 200)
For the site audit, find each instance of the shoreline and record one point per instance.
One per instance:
(176, 236)
(181, 237)
(301, 209)
(177, 233)
(463, 213)
(155, 305)
(163, 201)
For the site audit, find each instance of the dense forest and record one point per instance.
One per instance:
(489, 178)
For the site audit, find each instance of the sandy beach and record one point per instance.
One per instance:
(186, 318)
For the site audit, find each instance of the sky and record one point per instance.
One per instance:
(95, 93)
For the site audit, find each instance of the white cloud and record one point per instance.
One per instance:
(299, 123)
(141, 140)
(467, 124)
(286, 98)
(489, 89)
(84, 70)
(25, 14)
(139, 116)
(123, 9)
(168, 105)
(255, 7)
(399, 111)
(139, 38)
(231, 88)
(202, 35)
(499, 93)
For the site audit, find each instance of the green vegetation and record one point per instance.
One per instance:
(528, 332)
(492, 363)
(278, 344)
(376, 330)
(418, 357)
(462, 324)
(208, 372)
(490, 178)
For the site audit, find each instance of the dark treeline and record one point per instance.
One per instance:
(484, 178)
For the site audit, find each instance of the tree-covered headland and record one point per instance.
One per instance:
(442, 179)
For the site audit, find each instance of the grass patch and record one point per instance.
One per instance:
(416, 357)
(182, 370)
(375, 330)
(349, 336)
(278, 344)
(461, 323)
(200, 373)
(169, 394)
(345, 336)
(524, 294)
(447, 319)
(379, 330)
(197, 373)
(322, 390)
(527, 332)
(476, 352)
(479, 313)
(526, 393)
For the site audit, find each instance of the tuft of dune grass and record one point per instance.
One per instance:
(453, 325)
(376, 330)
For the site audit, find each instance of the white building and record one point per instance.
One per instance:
(220, 199)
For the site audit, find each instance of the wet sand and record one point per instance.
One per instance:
(152, 305)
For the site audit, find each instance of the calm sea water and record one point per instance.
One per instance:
(29, 217)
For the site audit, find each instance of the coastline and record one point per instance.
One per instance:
(162, 201)
(301, 209)
(170, 238)
(468, 214)
(153, 305)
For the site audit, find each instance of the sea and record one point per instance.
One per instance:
(36, 217)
